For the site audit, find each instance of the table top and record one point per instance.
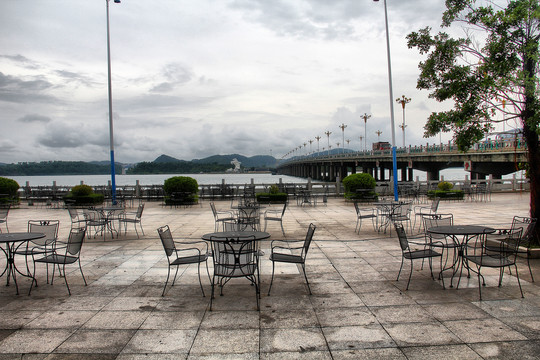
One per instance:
(461, 230)
(19, 236)
(248, 235)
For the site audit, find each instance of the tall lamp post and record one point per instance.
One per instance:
(328, 132)
(361, 137)
(403, 100)
(111, 133)
(318, 138)
(342, 127)
(392, 126)
(365, 117)
(310, 142)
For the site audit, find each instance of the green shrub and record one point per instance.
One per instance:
(8, 190)
(81, 190)
(361, 181)
(271, 197)
(180, 184)
(446, 194)
(274, 189)
(445, 186)
(82, 195)
(181, 190)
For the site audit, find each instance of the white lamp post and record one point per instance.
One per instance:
(394, 161)
(111, 133)
(365, 117)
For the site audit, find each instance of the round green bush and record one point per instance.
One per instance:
(445, 186)
(359, 181)
(8, 187)
(81, 190)
(180, 184)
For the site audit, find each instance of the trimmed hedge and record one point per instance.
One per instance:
(8, 190)
(363, 182)
(448, 195)
(181, 190)
(82, 195)
(272, 198)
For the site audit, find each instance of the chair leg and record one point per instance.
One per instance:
(166, 281)
(272, 280)
(305, 276)
(519, 282)
(65, 279)
(80, 268)
(529, 264)
(410, 275)
(401, 267)
(199, 273)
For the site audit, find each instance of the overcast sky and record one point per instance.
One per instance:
(197, 78)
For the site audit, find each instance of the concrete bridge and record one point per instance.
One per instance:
(495, 158)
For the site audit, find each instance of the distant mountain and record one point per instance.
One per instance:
(166, 159)
(257, 161)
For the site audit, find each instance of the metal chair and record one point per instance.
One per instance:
(64, 253)
(409, 254)
(4, 212)
(133, 218)
(504, 257)
(249, 218)
(77, 219)
(220, 216)
(528, 225)
(96, 221)
(292, 255)
(189, 253)
(39, 246)
(235, 258)
(275, 215)
(419, 211)
(364, 213)
(445, 243)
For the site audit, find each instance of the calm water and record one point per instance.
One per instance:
(202, 179)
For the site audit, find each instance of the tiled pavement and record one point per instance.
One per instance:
(357, 310)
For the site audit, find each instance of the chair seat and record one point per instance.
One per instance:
(367, 216)
(419, 254)
(130, 220)
(273, 218)
(288, 258)
(57, 259)
(489, 261)
(235, 270)
(190, 259)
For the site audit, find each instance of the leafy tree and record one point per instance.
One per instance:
(492, 70)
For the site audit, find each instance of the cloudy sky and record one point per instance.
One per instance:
(197, 78)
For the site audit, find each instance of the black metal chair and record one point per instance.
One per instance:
(504, 257)
(292, 255)
(235, 258)
(39, 246)
(420, 211)
(64, 253)
(409, 254)
(132, 218)
(249, 218)
(364, 213)
(446, 243)
(4, 212)
(189, 253)
(275, 215)
(518, 222)
(221, 216)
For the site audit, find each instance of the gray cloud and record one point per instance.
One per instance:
(22, 61)
(16, 90)
(32, 118)
(175, 74)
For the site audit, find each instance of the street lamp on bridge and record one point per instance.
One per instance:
(378, 132)
(365, 117)
(403, 101)
(328, 132)
(342, 127)
(317, 138)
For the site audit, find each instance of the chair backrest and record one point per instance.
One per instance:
(4, 211)
(235, 257)
(510, 244)
(433, 220)
(248, 213)
(73, 213)
(402, 236)
(47, 227)
(435, 204)
(213, 207)
(230, 226)
(139, 211)
(527, 224)
(166, 240)
(75, 241)
(308, 239)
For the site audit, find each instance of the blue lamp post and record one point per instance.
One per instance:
(394, 161)
(111, 132)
